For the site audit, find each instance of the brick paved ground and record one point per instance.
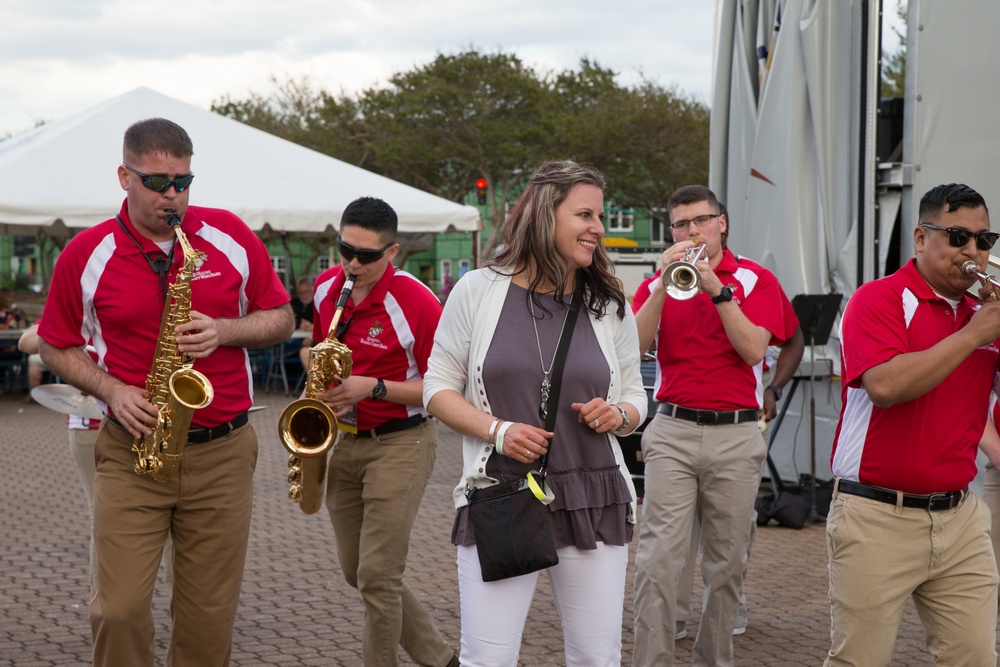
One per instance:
(295, 608)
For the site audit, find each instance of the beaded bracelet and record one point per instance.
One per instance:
(501, 432)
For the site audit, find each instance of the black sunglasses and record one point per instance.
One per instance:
(161, 183)
(958, 237)
(364, 256)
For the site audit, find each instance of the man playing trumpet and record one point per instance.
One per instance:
(918, 360)
(704, 448)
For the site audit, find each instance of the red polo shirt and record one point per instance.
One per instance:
(697, 365)
(390, 334)
(926, 445)
(104, 290)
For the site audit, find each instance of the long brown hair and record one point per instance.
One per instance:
(529, 239)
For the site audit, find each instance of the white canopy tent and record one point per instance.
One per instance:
(62, 175)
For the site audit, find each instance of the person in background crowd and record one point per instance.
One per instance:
(918, 360)
(376, 478)
(302, 307)
(703, 450)
(484, 370)
(110, 287)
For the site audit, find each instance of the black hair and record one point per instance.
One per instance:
(156, 135)
(373, 214)
(954, 195)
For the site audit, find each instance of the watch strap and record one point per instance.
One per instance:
(776, 390)
(726, 294)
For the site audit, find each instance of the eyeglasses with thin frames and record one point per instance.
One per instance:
(700, 221)
(958, 237)
(363, 255)
(161, 183)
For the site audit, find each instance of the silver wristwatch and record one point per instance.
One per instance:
(625, 419)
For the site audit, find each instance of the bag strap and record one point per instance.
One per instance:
(557, 369)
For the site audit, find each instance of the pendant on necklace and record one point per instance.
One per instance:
(546, 386)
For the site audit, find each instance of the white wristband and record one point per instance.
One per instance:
(493, 429)
(501, 432)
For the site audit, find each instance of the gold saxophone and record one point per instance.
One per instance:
(175, 388)
(307, 427)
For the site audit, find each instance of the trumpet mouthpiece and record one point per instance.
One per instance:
(970, 268)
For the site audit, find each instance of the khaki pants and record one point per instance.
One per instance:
(374, 488)
(206, 508)
(881, 554)
(689, 468)
(991, 496)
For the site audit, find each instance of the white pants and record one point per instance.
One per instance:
(589, 591)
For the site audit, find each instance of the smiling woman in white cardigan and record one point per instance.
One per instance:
(493, 351)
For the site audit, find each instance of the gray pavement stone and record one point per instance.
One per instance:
(295, 607)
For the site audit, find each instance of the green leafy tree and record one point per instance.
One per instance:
(893, 79)
(472, 115)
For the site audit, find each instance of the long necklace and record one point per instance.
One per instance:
(546, 383)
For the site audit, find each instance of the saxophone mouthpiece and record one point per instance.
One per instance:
(173, 217)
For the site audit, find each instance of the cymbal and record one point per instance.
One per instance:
(67, 400)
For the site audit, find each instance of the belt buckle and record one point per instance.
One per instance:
(932, 501)
(706, 417)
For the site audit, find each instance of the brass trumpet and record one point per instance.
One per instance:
(681, 279)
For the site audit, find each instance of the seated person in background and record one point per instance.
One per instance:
(11, 316)
(302, 306)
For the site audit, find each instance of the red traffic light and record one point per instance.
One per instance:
(481, 191)
(481, 184)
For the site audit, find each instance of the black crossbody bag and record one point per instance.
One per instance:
(510, 519)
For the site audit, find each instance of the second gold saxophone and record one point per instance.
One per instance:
(173, 386)
(307, 427)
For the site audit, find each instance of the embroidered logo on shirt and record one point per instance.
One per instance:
(372, 340)
(199, 261)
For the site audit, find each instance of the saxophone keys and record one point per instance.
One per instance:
(295, 493)
(295, 475)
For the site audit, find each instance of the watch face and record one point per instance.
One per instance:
(379, 390)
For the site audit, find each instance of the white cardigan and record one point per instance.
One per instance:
(463, 338)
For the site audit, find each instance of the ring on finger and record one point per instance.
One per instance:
(597, 423)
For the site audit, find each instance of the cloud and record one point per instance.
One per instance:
(61, 56)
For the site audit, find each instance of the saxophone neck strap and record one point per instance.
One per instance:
(160, 266)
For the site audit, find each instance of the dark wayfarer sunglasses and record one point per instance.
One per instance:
(364, 256)
(161, 183)
(958, 237)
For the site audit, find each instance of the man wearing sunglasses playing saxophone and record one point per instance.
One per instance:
(111, 285)
(376, 477)
(918, 359)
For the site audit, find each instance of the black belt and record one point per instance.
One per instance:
(198, 435)
(708, 417)
(392, 426)
(934, 502)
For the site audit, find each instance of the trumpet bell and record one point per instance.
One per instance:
(307, 427)
(681, 279)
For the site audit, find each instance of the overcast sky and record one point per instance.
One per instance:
(58, 57)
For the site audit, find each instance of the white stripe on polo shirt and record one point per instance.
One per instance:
(235, 253)
(90, 328)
